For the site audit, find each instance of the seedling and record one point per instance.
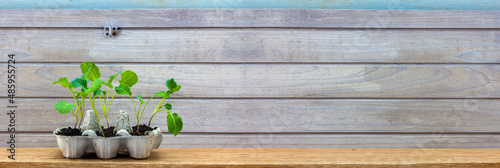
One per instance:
(107, 102)
(91, 75)
(174, 122)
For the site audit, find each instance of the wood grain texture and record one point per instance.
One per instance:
(187, 140)
(216, 157)
(280, 81)
(272, 78)
(307, 18)
(287, 116)
(280, 4)
(252, 45)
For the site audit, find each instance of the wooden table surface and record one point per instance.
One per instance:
(265, 157)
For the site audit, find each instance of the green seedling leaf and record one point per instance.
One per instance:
(81, 94)
(91, 70)
(63, 107)
(128, 77)
(162, 94)
(168, 106)
(140, 99)
(98, 92)
(108, 85)
(79, 82)
(96, 84)
(171, 85)
(174, 123)
(84, 76)
(112, 77)
(64, 82)
(176, 89)
(123, 89)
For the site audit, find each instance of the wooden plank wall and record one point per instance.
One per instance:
(280, 4)
(272, 77)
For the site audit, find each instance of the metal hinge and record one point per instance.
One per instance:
(110, 31)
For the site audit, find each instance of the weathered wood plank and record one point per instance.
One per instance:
(249, 18)
(299, 116)
(172, 157)
(253, 45)
(185, 140)
(279, 81)
(280, 4)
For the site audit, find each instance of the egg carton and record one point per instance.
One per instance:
(138, 147)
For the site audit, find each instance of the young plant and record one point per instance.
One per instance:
(64, 107)
(107, 102)
(127, 80)
(174, 122)
(90, 74)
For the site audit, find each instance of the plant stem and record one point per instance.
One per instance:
(107, 95)
(82, 111)
(157, 109)
(158, 106)
(96, 116)
(144, 108)
(135, 112)
(76, 116)
(77, 107)
(109, 105)
(104, 111)
(151, 119)
(135, 109)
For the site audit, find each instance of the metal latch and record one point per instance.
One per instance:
(110, 31)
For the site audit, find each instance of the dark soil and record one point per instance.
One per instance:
(142, 130)
(108, 132)
(69, 132)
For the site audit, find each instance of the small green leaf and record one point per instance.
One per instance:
(64, 82)
(168, 106)
(123, 89)
(140, 99)
(112, 77)
(128, 77)
(81, 94)
(96, 84)
(176, 89)
(162, 94)
(171, 84)
(63, 107)
(93, 73)
(108, 85)
(174, 123)
(98, 92)
(79, 82)
(84, 76)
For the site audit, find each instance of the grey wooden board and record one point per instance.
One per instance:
(293, 141)
(252, 45)
(281, 18)
(254, 116)
(278, 81)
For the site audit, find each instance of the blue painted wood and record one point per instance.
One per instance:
(284, 4)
